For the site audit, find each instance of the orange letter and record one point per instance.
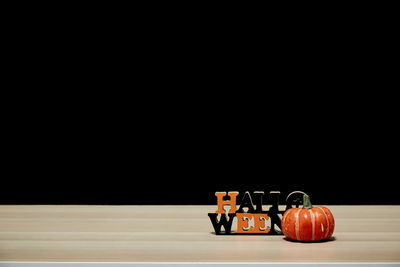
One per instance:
(231, 202)
(244, 222)
(259, 226)
(252, 223)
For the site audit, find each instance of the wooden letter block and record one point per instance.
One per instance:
(251, 218)
(221, 202)
(252, 223)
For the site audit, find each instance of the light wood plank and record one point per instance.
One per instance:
(184, 233)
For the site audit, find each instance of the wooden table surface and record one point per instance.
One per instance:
(184, 234)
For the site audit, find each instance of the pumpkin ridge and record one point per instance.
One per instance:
(312, 225)
(327, 222)
(297, 224)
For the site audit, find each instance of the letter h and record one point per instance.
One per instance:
(222, 202)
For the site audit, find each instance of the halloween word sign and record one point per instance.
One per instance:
(250, 217)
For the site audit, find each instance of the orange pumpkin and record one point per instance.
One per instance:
(308, 223)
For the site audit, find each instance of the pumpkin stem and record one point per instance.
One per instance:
(307, 202)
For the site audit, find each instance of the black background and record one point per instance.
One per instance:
(167, 115)
(336, 154)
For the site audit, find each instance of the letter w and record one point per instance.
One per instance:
(223, 221)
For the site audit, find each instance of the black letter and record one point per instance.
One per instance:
(246, 202)
(274, 211)
(258, 195)
(222, 222)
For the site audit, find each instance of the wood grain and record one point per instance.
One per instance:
(184, 233)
